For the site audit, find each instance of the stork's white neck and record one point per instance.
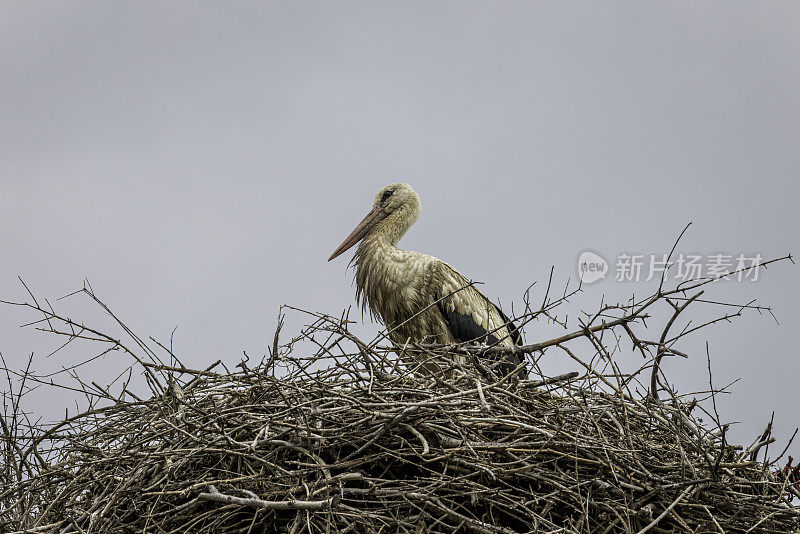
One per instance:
(390, 230)
(378, 250)
(381, 267)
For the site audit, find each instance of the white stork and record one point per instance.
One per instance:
(418, 297)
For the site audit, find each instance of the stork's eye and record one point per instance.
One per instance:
(386, 194)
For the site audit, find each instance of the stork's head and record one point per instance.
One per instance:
(395, 209)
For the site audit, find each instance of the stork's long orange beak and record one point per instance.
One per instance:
(363, 228)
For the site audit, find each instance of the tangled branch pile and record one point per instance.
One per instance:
(349, 440)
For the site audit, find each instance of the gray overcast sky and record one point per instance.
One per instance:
(199, 161)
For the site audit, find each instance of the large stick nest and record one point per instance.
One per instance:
(351, 440)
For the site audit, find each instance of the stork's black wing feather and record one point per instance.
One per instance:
(516, 337)
(464, 328)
